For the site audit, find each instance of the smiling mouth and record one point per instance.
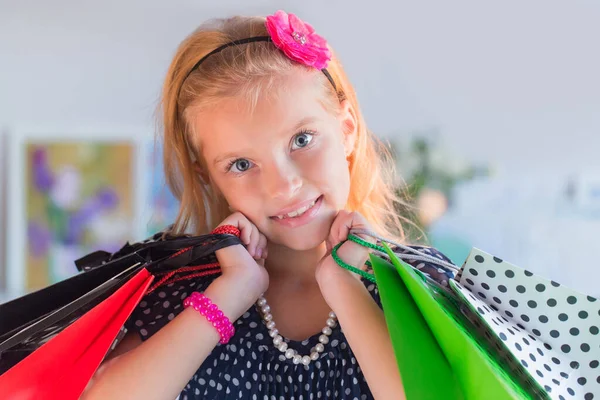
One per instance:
(299, 212)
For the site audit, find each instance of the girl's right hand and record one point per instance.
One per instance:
(242, 268)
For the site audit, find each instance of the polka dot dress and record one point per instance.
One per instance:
(250, 367)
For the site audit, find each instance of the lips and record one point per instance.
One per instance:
(303, 219)
(296, 210)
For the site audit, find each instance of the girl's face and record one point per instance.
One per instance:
(283, 165)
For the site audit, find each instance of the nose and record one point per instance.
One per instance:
(283, 179)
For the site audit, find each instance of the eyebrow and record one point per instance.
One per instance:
(300, 124)
(224, 157)
(305, 121)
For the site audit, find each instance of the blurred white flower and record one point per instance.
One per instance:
(109, 228)
(66, 191)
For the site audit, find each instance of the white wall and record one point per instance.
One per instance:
(512, 83)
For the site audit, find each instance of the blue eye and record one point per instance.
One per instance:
(302, 139)
(241, 164)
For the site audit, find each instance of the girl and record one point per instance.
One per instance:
(263, 133)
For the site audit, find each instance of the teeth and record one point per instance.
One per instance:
(298, 212)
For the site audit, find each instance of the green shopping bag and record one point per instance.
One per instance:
(438, 354)
(426, 373)
(496, 331)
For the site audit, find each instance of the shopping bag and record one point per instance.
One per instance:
(62, 367)
(549, 329)
(469, 369)
(540, 337)
(16, 314)
(501, 328)
(44, 316)
(418, 353)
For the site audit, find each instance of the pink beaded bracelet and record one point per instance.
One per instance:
(211, 312)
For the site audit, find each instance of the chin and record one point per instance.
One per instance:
(302, 243)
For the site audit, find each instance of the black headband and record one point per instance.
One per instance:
(244, 41)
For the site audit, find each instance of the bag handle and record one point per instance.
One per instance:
(416, 256)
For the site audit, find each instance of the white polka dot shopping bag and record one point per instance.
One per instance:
(488, 330)
(552, 331)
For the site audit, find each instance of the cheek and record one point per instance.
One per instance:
(240, 195)
(233, 190)
(329, 170)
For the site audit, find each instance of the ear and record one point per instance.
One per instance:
(201, 172)
(349, 125)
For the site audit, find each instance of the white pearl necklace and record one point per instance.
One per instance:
(279, 343)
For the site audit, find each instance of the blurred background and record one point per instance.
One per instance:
(492, 110)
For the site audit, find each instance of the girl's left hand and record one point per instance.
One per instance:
(328, 273)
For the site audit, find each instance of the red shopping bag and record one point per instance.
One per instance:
(62, 368)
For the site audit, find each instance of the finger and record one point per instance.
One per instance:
(344, 226)
(331, 237)
(352, 253)
(354, 220)
(359, 222)
(334, 236)
(233, 254)
(246, 230)
(254, 237)
(262, 246)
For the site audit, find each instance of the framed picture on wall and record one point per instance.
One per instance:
(161, 206)
(70, 195)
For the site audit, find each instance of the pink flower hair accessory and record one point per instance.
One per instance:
(298, 40)
(295, 38)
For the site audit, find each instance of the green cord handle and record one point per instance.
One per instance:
(360, 241)
(341, 263)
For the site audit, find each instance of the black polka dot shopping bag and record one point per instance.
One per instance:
(493, 331)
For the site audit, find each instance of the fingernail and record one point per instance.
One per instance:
(259, 253)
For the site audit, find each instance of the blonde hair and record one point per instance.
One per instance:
(248, 70)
